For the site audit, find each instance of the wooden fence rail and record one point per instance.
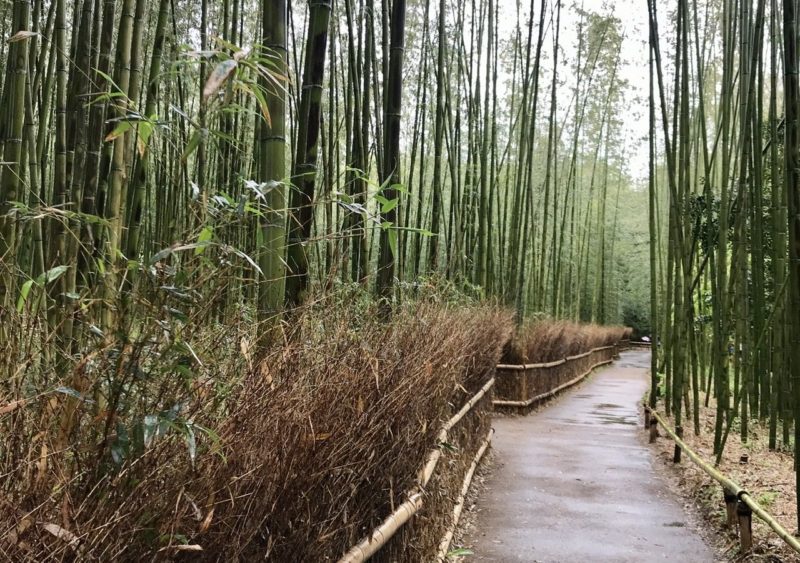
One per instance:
(544, 380)
(523, 386)
(371, 544)
(739, 504)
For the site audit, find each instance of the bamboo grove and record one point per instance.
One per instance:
(724, 162)
(310, 146)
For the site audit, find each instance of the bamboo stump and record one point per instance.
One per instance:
(676, 457)
(730, 507)
(745, 516)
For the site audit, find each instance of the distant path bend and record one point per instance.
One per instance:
(574, 482)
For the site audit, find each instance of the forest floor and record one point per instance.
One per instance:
(576, 482)
(767, 475)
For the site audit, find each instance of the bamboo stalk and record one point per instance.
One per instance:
(468, 406)
(554, 363)
(525, 367)
(713, 473)
(367, 547)
(427, 470)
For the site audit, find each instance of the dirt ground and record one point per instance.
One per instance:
(767, 475)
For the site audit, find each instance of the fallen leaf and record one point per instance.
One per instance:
(182, 547)
(61, 533)
(12, 406)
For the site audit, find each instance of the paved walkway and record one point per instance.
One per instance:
(574, 482)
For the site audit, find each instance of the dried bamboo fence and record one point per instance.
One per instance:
(516, 386)
(415, 498)
(525, 385)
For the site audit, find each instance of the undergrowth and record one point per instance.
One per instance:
(179, 437)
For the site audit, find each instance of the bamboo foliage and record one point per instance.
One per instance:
(304, 147)
(723, 162)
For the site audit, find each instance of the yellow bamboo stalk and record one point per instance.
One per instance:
(468, 406)
(523, 367)
(554, 363)
(579, 356)
(367, 547)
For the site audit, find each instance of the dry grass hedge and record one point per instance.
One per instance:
(294, 455)
(549, 340)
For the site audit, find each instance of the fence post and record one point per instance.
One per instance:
(524, 385)
(676, 457)
(646, 418)
(745, 525)
(730, 507)
(653, 429)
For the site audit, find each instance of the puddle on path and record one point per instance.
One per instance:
(606, 418)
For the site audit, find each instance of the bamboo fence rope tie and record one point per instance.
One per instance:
(444, 545)
(367, 547)
(731, 485)
(543, 396)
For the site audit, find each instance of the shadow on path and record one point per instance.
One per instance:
(574, 482)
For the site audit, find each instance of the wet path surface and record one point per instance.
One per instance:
(574, 482)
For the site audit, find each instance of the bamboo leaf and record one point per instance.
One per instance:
(22, 35)
(150, 428)
(122, 128)
(262, 102)
(143, 134)
(191, 146)
(205, 236)
(51, 275)
(221, 73)
(12, 406)
(388, 205)
(23, 295)
(247, 258)
(191, 443)
(72, 393)
(392, 235)
(61, 533)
